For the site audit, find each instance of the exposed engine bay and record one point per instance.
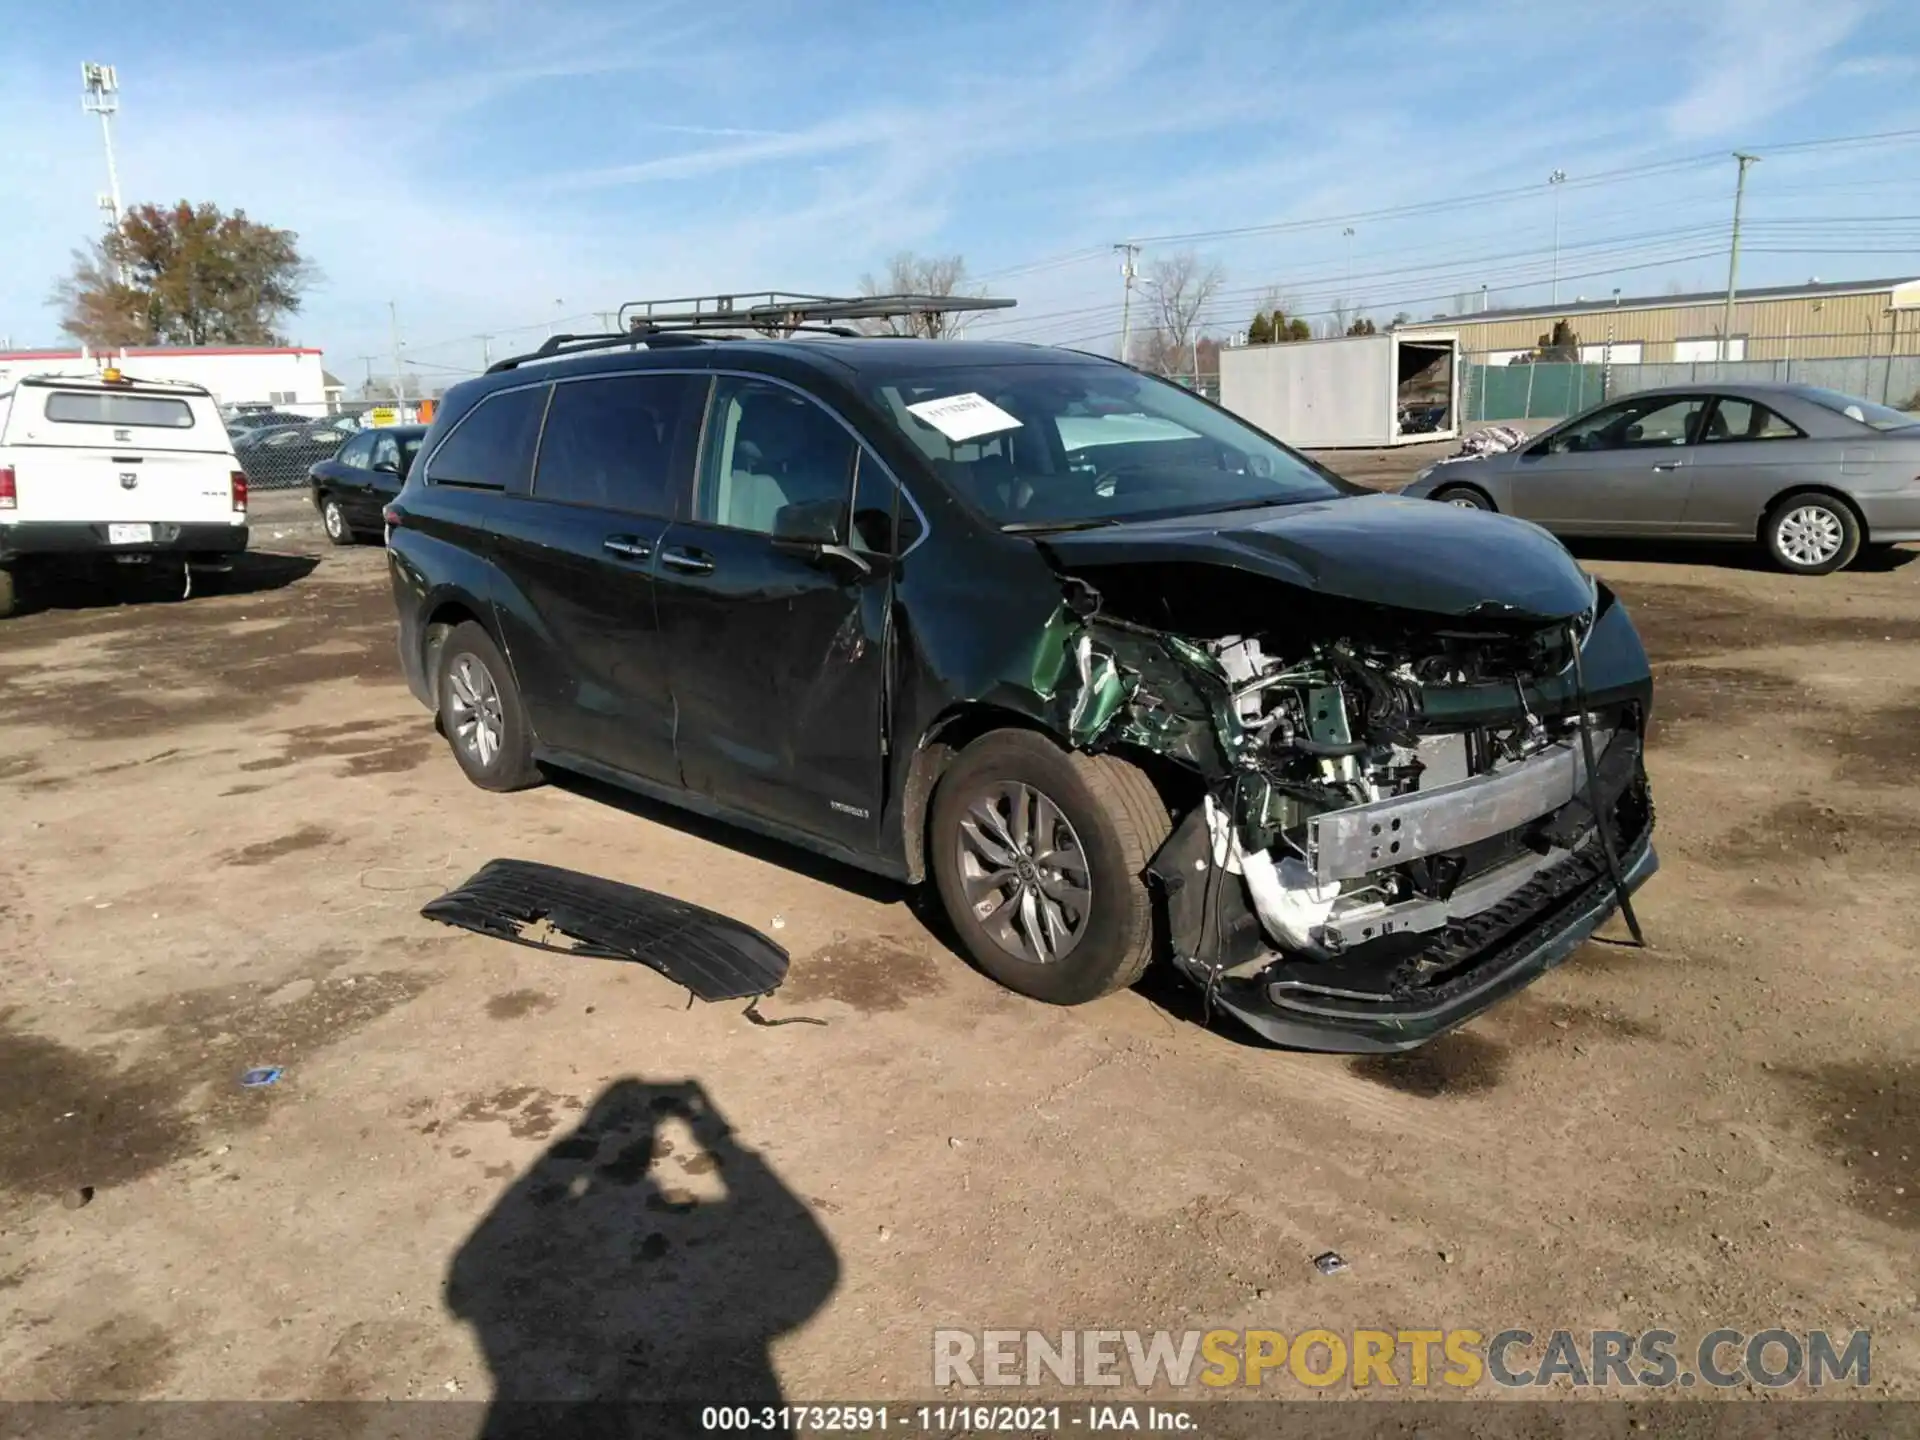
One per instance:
(1368, 794)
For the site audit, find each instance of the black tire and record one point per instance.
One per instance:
(471, 669)
(1811, 533)
(333, 520)
(1118, 820)
(1464, 496)
(9, 593)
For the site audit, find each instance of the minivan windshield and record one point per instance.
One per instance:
(1877, 417)
(1059, 447)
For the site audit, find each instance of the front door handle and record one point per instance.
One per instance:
(690, 562)
(627, 547)
(1668, 465)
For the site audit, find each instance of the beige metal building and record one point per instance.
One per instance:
(1781, 322)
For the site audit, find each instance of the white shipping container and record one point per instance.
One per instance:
(1357, 391)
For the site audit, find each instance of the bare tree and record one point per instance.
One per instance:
(911, 274)
(1178, 288)
(1340, 314)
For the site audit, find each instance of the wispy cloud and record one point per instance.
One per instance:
(1756, 58)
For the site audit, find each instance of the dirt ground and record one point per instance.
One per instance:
(486, 1168)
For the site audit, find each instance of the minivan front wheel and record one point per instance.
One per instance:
(1040, 857)
(481, 714)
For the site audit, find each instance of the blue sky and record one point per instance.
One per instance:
(492, 167)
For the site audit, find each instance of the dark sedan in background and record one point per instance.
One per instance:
(1810, 474)
(277, 457)
(351, 489)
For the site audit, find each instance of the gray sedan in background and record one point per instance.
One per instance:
(1810, 474)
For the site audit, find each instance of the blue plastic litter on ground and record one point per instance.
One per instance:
(264, 1076)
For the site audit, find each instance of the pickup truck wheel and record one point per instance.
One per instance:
(480, 712)
(1040, 857)
(334, 521)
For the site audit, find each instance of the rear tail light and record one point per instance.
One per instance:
(239, 482)
(9, 494)
(393, 516)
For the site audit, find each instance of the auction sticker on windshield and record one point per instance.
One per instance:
(964, 417)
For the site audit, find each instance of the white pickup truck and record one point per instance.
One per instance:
(103, 469)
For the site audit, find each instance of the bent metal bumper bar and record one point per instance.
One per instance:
(1346, 844)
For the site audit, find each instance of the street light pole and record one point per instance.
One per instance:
(399, 381)
(1554, 182)
(1733, 255)
(1348, 287)
(101, 87)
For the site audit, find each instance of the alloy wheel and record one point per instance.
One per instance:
(1025, 873)
(1811, 535)
(335, 522)
(477, 720)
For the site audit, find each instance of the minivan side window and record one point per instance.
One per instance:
(770, 450)
(492, 445)
(610, 442)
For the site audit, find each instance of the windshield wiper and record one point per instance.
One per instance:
(1051, 527)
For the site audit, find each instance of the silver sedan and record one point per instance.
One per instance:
(1811, 474)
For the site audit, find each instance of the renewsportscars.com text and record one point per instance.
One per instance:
(1372, 1359)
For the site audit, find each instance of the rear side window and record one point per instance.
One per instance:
(93, 407)
(491, 448)
(1735, 421)
(610, 442)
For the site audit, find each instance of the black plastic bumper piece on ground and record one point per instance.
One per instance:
(714, 957)
(74, 539)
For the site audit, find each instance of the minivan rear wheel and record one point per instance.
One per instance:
(1040, 857)
(481, 714)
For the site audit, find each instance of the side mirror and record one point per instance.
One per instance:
(809, 523)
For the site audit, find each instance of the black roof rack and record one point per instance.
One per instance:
(660, 323)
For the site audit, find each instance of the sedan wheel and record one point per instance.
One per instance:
(1463, 498)
(1812, 534)
(334, 520)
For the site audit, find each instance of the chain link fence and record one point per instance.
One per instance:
(1501, 391)
(276, 449)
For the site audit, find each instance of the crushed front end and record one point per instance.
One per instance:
(1396, 817)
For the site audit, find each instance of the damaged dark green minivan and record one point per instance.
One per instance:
(1125, 678)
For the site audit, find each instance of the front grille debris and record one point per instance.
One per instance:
(548, 908)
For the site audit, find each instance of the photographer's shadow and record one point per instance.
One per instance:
(645, 1256)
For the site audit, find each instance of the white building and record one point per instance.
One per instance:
(286, 377)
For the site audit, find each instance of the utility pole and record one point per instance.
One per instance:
(486, 351)
(1554, 182)
(1347, 289)
(1127, 252)
(100, 87)
(1733, 255)
(399, 380)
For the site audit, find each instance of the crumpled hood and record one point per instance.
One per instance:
(1410, 554)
